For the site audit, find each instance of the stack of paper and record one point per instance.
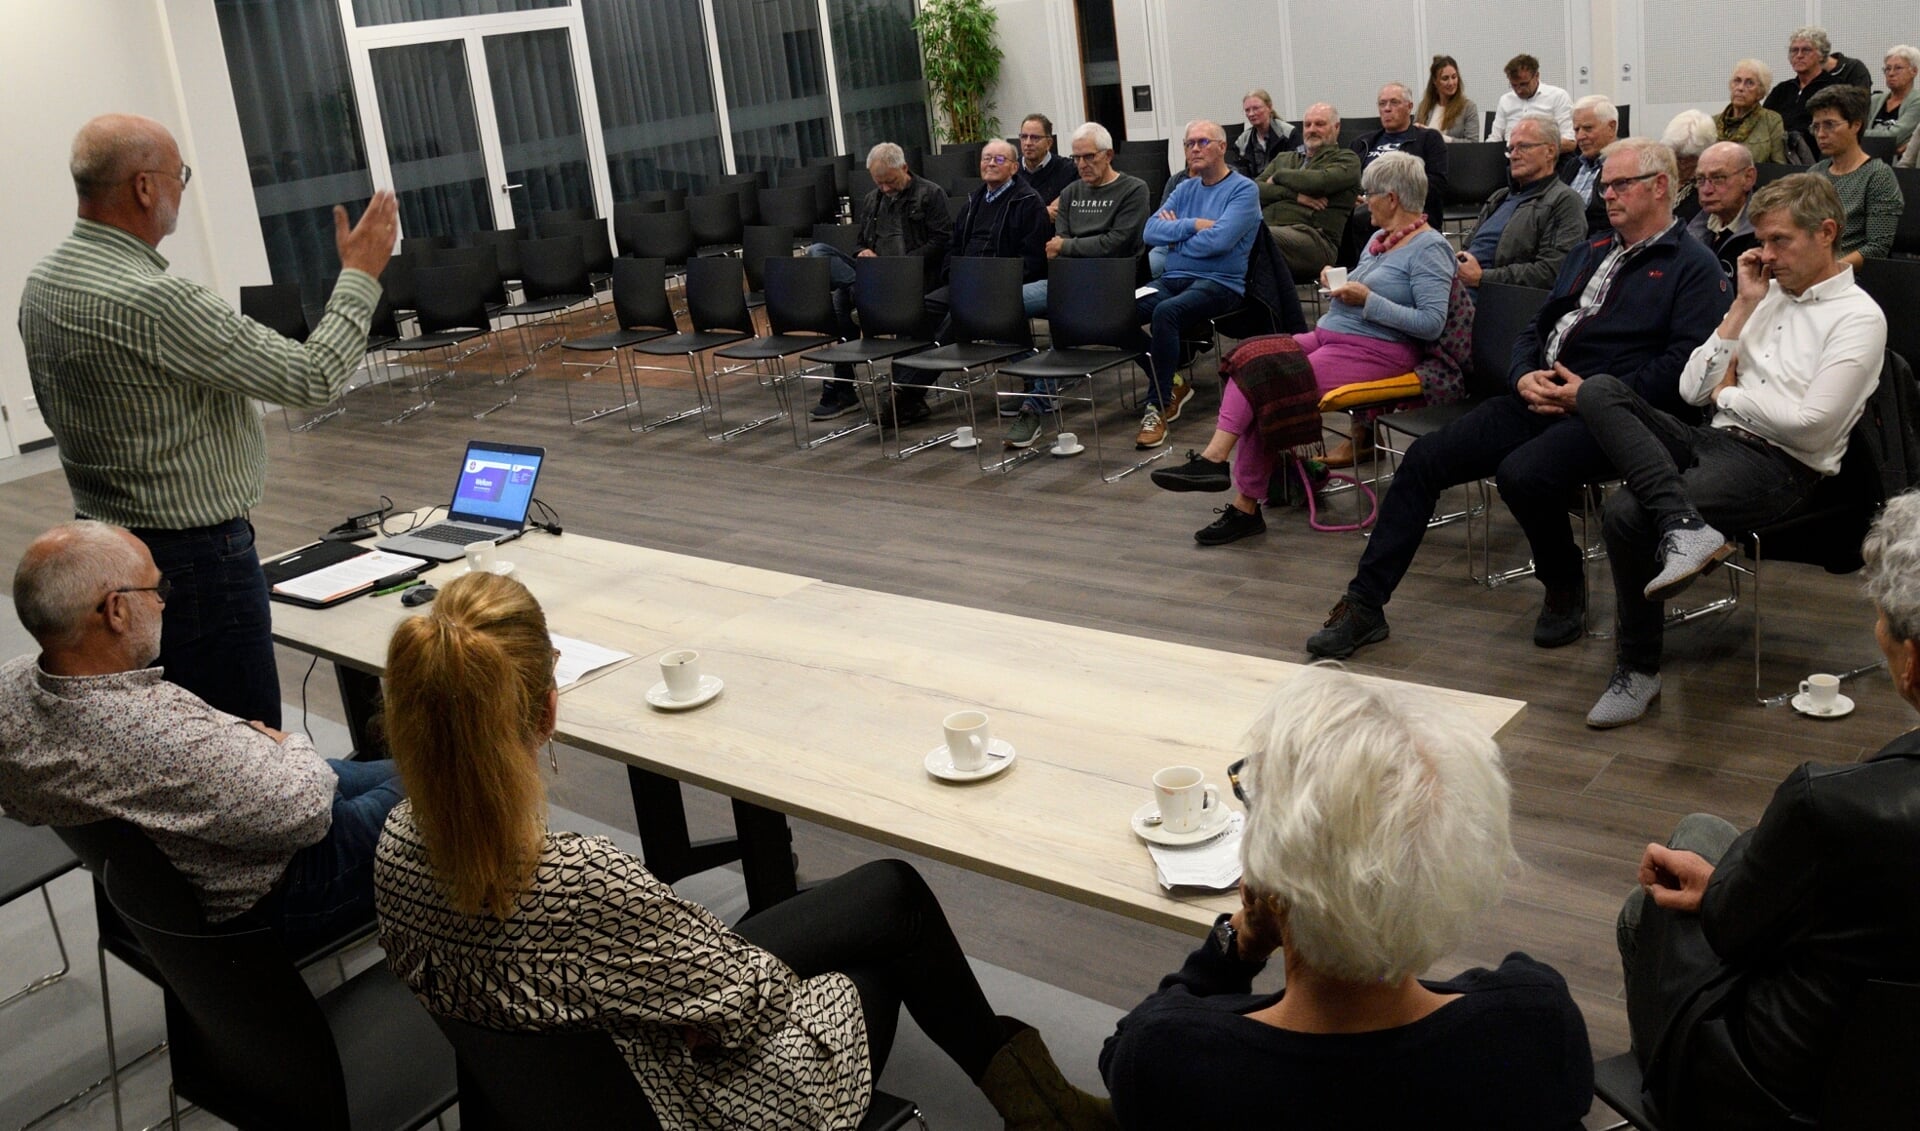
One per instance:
(1214, 865)
(578, 657)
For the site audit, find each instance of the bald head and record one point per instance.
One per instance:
(1723, 179)
(67, 571)
(111, 149)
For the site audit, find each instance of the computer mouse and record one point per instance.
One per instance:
(418, 595)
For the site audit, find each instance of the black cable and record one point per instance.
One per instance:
(551, 517)
(304, 724)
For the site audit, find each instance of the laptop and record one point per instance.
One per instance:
(490, 501)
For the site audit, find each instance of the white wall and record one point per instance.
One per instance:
(63, 62)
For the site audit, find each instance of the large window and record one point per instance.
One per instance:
(876, 58)
(372, 13)
(655, 94)
(776, 75)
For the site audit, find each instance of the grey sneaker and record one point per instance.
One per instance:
(1628, 695)
(1024, 430)
(1350, 627)
(1685, 555)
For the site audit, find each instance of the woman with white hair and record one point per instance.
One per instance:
(1688, 135)
(1377, 830)
(1896, 112)
(1745, 120)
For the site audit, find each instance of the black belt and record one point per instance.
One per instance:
(1746, 437)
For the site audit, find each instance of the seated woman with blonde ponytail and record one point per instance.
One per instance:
(496, 920)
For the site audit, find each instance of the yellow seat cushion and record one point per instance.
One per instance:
(1363, 393)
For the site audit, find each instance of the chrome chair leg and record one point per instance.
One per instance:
(42, 981)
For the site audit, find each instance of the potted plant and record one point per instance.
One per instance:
(962, 63)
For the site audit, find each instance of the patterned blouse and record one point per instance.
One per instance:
(1761, 131)
(1871, 195)
(719, 1033)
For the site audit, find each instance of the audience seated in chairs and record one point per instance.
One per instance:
(1393, 303)
(1526, 229)
(1785, 376)
(1376, 833)
(1445, 106)
(1265, 137)
(1041, 169)
(1773, 934)
(266, 831)
(1807, 50)
(1307, 194)
(1868, 190)
(1746, 121)
(1640, 322)
(1526, 92)
(904, 214)
(1207, 225)
(1596, 123)
(1688, 135)
(1895, 111)
(1723, 180)
(493, 919)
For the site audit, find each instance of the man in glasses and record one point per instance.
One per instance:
(149, 383)
(1633, 303)
(1526, 229)
(266, 831)
(1041, 169)
(1596, 124)
(1723, 180)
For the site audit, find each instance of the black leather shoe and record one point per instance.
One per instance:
(1350, 626)
(1197, 474)
(1563, 617)
(1232, 525)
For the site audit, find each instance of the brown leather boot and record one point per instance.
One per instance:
(1026, 1088)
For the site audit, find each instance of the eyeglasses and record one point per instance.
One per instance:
(1802, 49)
(1514, 147)
(161, 591)
(994, 159)
(1033, 137)
(1197, 142)
(183, 176)
(1084, 158)
(1825, 125)
(1619, 186)
(1390, 103)
(1241, 788)
(1717, 180)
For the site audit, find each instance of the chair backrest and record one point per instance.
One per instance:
(671, 199)
(717, 295)
(758, 244)
(828, 183)
(522, 1081)
(30, 857)
(846, 237)
(246, 1038)
(758, 178)
(664, 235)
(384, 330)
(1906, 237)
(1149, 165)
(640, 299)
(955, 206)
(1895, 285)
(486, 264)
(841, 164)
(555, 268)
(985, 301)
(1766, 171)
(1353, 129)
(942, 168)
(1881, 147)
(277, 306)
(421, 248)
(1475, 171)
(593, 241)
(789, 206)
(397, 282)
(452, 298)
(505, 243)
(799, 292)
(1090, 303)
(889, 292)
(1501, 312)
(715, 218)
(543, 220)
(745, 187)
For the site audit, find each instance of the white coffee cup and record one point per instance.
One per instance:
(1336, 278)
(480, 555)
(968, 736)
(963, 436)
(1186, 802)
(1066, 443)
(681, 670)
(1822, 692)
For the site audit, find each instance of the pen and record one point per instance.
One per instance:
(407, 584)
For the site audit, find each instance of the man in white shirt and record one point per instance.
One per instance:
(1526, 92)
(1785, 377)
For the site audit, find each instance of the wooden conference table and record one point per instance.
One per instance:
(835, 695)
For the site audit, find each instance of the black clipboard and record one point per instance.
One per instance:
(308, 558)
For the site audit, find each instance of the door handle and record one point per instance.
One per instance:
(504, 188)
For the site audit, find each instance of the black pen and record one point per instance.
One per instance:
(394, 579)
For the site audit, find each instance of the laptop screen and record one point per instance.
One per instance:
(496, 484)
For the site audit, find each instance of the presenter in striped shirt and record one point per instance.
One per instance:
(149, 382)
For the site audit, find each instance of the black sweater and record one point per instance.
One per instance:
(1015, 224)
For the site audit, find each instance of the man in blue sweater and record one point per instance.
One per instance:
(1632, 302)
(1207, 225)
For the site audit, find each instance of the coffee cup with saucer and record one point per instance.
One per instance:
(681, 685)
(1820, 698)
(970, 751)
(1147, 826)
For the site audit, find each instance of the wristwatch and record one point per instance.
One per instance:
(1224, 938)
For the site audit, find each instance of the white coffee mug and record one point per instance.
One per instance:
(480, 555)
(968, 736)
(1336, 278)
(1066, 442)
(1186, 802)
(681, 670)
(1822, 692)
(963, 436)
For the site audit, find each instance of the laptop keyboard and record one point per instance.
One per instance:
(454, 535)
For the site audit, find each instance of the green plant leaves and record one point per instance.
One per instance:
(961, 61)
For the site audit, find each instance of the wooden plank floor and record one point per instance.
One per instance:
(1051, 541)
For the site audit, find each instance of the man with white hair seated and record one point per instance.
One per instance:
(1807, 50)
(1377, 831)
(1596, 124)
(1743, 953)
(1526, 228)
(1688, 135)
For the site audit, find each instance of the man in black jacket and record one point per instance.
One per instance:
(1596, 123)
(1741, 973)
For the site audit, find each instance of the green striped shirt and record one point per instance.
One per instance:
(148, 380)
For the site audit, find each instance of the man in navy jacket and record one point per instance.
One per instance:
(1633, 302)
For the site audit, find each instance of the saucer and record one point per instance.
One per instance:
(965, 445)
(1156, 835)
(939, 762)
(501, 568)
(1058, 452)
(710, 686)
(1842, 707)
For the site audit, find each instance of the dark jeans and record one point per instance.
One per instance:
(840, 273)
(1677, 473)
(1537, 461)
(1178, 303)
(328, 886)
(216, 632)
(881, 926)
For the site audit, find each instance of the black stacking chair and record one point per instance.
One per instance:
(277, 306)
(543, 221)
(1091, 315)
(1906, 238)
(800, 317)
(790, 206)
(421, 248)
(250, 1044)
(671, 199)
(505, 243)
(758, 244)
(747, 186)
(594, 242)
(988, 325)
(842, 166)
(1151, 167)
(666, 236)
(944, 168)
(30, 859)
(382, 333)
(452, 312)
(397, 284)
(828, 188)
(555, 280)
(889, 297)
(486, 261)
(717, 312)
(643, 313)
(716, 222)
(626, 217)
(1475, 171)
(846, 237)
